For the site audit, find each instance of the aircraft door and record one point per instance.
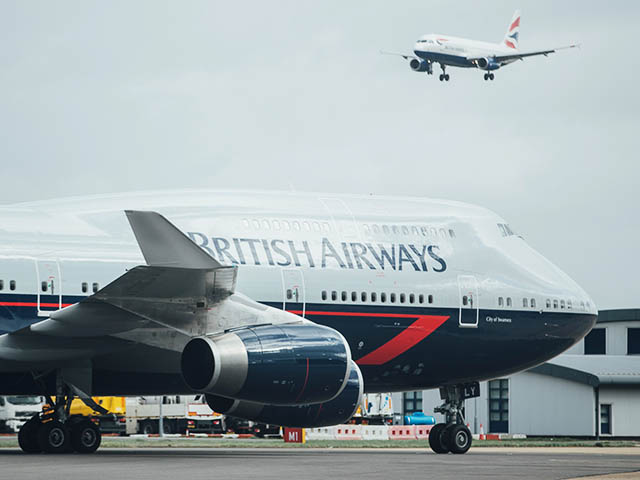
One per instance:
(49, 287)
(469, 301)
(293, 290)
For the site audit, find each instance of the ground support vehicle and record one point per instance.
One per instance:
(16, 410)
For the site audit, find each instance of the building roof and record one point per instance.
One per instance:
(566, 373)
(609, 369)
(619, 315)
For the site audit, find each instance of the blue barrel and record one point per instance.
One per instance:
(419, 418)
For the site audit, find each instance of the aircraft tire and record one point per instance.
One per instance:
(486, 76)
(441, 77)
(436, 439)
(446, 77)
(28, 436)
(53, 437)
(85, 436)
(458, 438)
(492, 76)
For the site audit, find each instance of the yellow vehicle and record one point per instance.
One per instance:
(115, 421)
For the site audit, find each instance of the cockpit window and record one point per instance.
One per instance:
(505, 230)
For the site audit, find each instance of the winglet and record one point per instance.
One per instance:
(162, 244)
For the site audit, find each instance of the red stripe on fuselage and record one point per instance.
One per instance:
(33, 304)
(424, 326)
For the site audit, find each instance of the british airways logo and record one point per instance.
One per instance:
(326, 254)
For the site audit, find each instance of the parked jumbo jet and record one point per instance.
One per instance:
(340, 295)
(461, 52)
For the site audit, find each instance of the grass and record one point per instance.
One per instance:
(137, 442)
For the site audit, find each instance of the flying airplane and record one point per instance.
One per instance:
(281, 308)
(461, 52)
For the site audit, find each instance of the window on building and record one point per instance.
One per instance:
(633, 341)
(595, 342)
(412, 402)
(499, 406)
(605, 419)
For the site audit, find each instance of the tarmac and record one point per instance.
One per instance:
(326, 464)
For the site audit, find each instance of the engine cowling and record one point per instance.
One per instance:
(293, 364)
(333, 412)
(419, 65)
(487, 64)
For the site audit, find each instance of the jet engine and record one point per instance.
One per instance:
(288, 364)
(333, 412)
(420, 65)
(487, 64)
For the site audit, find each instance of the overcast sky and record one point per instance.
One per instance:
(113, 96)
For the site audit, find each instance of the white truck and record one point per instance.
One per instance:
(180, 414)
(16, 410)
(375, 409)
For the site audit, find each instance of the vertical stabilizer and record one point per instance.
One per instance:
(513, 32)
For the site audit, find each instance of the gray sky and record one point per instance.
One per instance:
(114, 96)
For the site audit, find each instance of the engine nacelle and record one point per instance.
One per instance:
(333, 412)
(487, 64)
(292, 364)
(420, 65)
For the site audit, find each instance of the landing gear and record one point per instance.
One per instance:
(489, 76)
(443, 75)
(54, 431)
(453, 436)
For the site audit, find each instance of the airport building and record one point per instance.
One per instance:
(592, 390)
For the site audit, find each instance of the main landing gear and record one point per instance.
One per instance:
(453, 435)
(489, 76)
(443, 75)
(54, 431)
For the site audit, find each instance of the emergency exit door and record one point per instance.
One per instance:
(469, 301)
(293, 290)
(49, 286)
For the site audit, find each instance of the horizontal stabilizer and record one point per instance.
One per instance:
(163, 245)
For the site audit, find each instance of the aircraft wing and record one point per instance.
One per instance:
(503, 59)
(406, 56)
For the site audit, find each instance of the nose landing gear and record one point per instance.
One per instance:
(453, 435)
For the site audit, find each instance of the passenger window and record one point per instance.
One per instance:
(392, 297)
(569, 304)
(421, 298)
(561, 303)
(12, 285)
(324, 295)
(43, 286)
(289, 294)
(414, 231)
(354, 297)
(363, 296)
(443, 234)
(85, 287)
(412, 298)
(405, 230)
(452, 234)
(96, 287)
(430, 299)
(334, 295)
(508, 301)
(383, 297)
(548, 303)
(555, 304)
(245, 223)
(296, 225)
(316, 227)
(500, 302)
(326, 227)
(385, 229)
(582, 305)
(395, 229)
(306, 226)
(344, 296)
(434, 233)
(256, 224)
(425, 232)
(286, 225)
(376, 229)
(524, 303)
(373, 296)
(1, 284)
(266, 225)
(533, 303)
(403, 298)
(464, 300)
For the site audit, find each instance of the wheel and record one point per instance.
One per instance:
(492, 76)
(441, 77)
(28, 436)
(53, 437)
(167, 427)
(436, 439)
(85, 436)
(458, 438)
(148, 428)
(486, 76)
(446, 77)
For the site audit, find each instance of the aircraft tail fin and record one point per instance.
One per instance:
(513, 32)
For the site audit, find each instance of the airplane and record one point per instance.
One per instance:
(461, 52)
(281, 308)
